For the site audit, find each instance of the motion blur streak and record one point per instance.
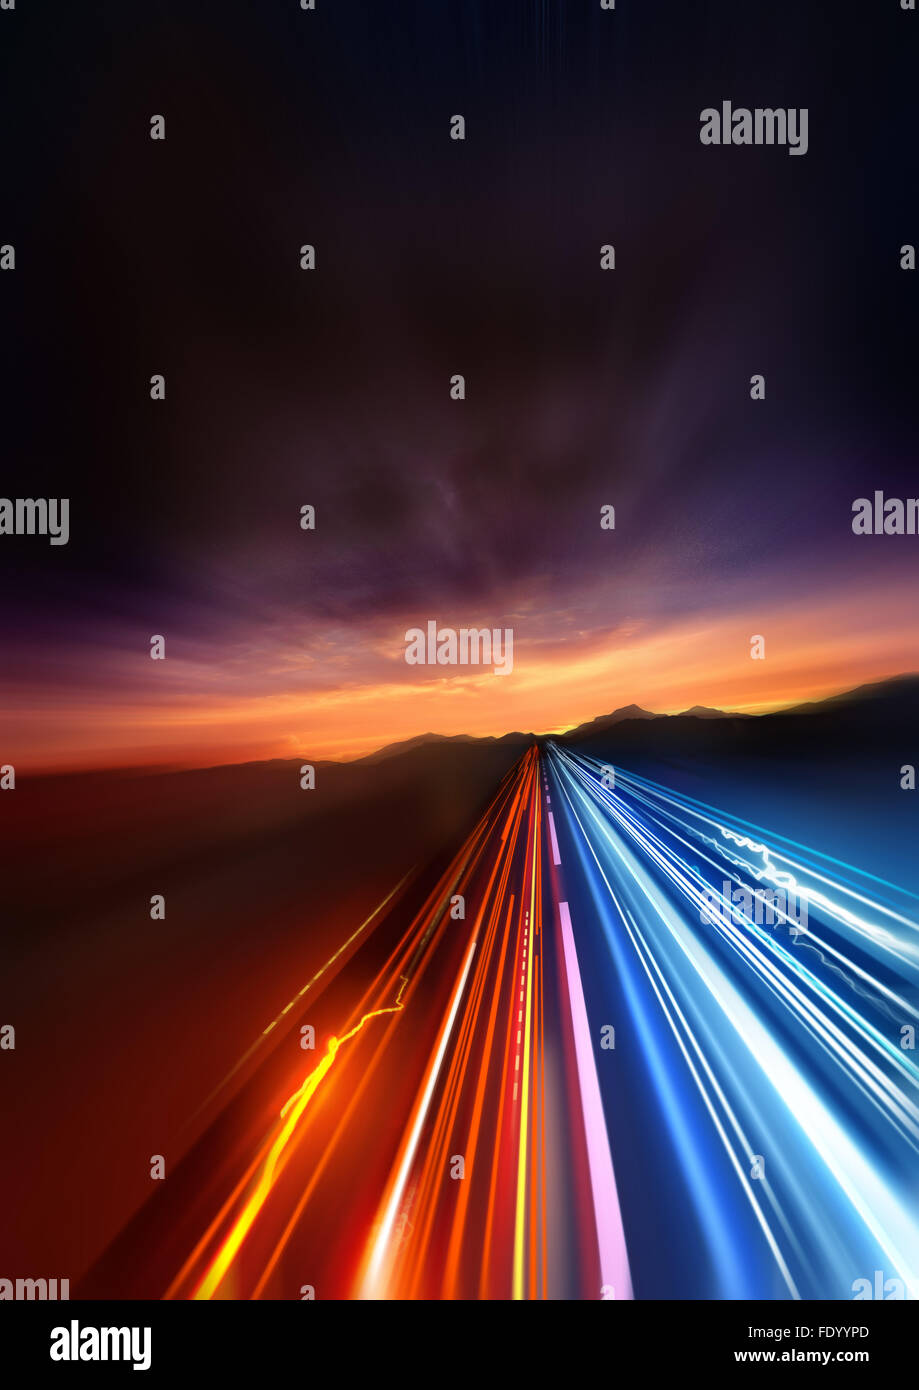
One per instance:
(673, 1092)
(614, 1262)
(323, 970)
(378, 1256)
(488, 851)
(428, 1248)
(296, 1106)
(785, 1029)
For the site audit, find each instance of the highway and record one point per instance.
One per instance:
(762, 1111)
(582, 1058)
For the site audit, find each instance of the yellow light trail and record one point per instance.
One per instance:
(296, 1105)
(486, 1263)
(525, 1082)
(309, 984)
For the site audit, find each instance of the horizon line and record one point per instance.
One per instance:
(754, 711)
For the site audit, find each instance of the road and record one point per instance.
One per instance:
(763, 1112)
(585, 1058)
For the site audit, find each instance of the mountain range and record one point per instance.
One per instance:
(884, 709)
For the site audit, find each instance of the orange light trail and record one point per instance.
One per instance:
(296, 1105)
(498, 828)
(407, 1268)
(230, 1246)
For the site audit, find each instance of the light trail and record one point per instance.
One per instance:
(295, 1106)
(372, 1284)
(524, 1138)
(614, 1259)
(315, 978)
(757, 1108)
(418, 943)
(837, 1191)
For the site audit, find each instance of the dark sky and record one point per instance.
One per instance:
(435, 257)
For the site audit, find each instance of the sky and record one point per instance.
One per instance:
(584, 388)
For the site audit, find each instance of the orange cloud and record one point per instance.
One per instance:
(190, 716)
